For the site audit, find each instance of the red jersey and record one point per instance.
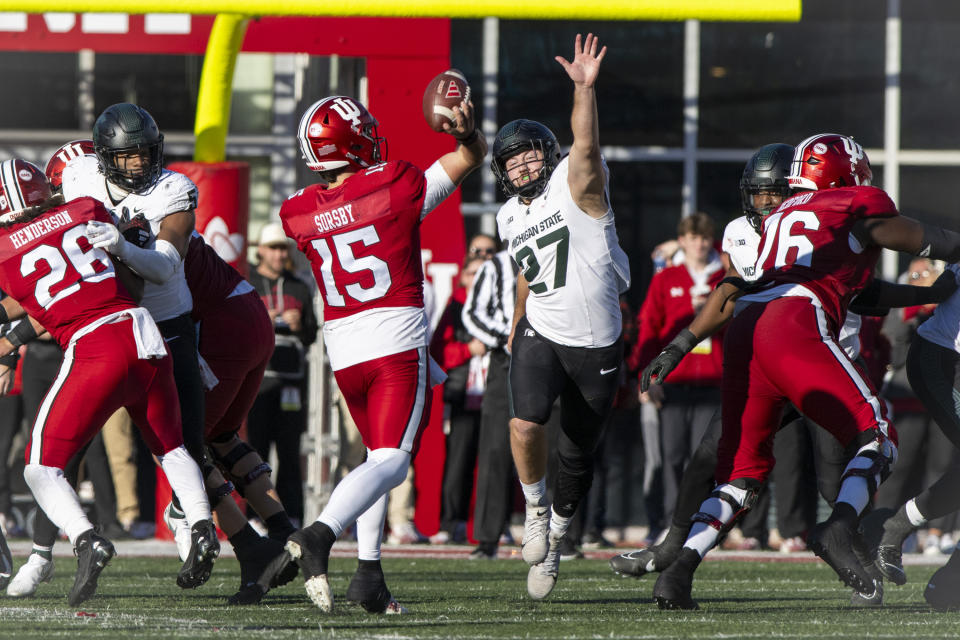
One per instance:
(52, 270)
(209, 278)
(362, 238)
(808, 241)
(667, 310)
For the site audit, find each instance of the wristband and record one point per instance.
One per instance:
(4, 318)
(470, 138)
(10, 360)
(21, 334)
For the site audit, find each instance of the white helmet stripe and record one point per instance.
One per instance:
(302, 131)
(11, 186)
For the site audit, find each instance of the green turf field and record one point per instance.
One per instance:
(460, 598)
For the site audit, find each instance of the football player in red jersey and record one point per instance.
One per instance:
(360, 231)
(113, 356)
(818, 250)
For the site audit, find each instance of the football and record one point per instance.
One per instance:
(446, 91)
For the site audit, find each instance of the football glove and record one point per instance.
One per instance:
(669, 358)
(103, 235)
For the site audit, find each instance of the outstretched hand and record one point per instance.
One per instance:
(586, 61)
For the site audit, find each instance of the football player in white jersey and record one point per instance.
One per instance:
(566, 342)
(155, 209)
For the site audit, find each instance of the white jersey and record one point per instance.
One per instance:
(742, 243)
(573, 263)
(171, 193)
(943, 327)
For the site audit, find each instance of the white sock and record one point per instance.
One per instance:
(383, 470)
(854, 491)
(558, 524)
(57, 499)
(534, 493)
(702, 536)
(185, 479)
(913, 513)
(370, 530)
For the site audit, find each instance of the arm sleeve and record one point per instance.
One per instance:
(482, 312)
(439, 186)
(156, 265)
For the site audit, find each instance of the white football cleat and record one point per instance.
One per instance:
(543, 577)
(36, 570)
(535, 528)
(176, 522)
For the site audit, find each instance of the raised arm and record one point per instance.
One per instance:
(471, 147)
(585, 175)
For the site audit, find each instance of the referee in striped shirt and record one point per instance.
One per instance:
(488, 316)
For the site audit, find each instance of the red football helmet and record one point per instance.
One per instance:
(827, 161)
(337, 132)
(22, 185)
(62, 156)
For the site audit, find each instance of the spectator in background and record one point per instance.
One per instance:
(465, 360)
(687, 402)
(487, 316)
(11, 420)
(279, 414)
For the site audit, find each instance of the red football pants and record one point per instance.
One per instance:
(236, 340)
(389, 399)
(101, 373)
(783, 351)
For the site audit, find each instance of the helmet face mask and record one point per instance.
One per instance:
(129, 146)
(765, 179)
(23, 189)
(339, 132)
(515, 139)
(829, 161)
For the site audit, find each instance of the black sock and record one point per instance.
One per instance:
(897, 528)
(322, 533)
(846, 514)
(244, 540)
(369, 566)
(279, 526)
(675, 538)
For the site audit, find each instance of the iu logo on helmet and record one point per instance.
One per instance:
(347, 110)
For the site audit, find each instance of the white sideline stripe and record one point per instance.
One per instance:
(153, 548)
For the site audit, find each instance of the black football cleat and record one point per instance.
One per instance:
(674, 586)
(264, 566)
(368, 588)
(943, 590)
(93, 553)
(832, 541)
(864, 555)
(204, 549)
(310, 548)
(636, 564)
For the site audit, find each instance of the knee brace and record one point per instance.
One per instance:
(873, 461)
(241, 464)
(740, 495)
